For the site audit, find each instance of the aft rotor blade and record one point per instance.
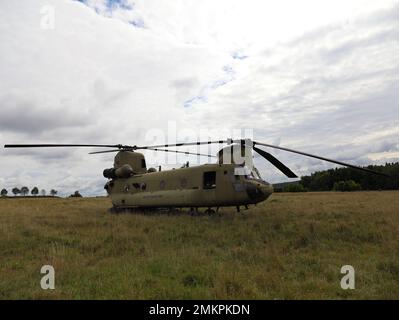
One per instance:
(189, 144)
(62, 145)
(279, 165)
(176, 151)
(322, 158)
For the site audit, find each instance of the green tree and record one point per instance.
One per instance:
(76, 195)
(16, 191)
(330, 179)
(35, 191)
(53, 192)
(295, 187)
(24, 191)
(348, 185)
(353, 186)
(339, 186)
(4, 192)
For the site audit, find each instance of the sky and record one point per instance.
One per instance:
(317, 76)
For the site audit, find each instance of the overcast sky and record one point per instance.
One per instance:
(318, 76)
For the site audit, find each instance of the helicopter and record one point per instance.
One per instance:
(232, 180)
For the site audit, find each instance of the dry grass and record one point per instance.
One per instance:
(291, 246)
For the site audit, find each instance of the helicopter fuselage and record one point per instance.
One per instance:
(209, 185)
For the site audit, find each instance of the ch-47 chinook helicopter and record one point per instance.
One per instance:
(232, 181)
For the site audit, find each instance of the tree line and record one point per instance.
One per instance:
(347, 179)
(24, 191)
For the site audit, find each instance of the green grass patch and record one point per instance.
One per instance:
(289, 247)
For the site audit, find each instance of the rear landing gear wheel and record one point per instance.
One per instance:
(210, 211)
(193, 212)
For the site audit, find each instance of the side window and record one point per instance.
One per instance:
(210, 180)
(143, 164)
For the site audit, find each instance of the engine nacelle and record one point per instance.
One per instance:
(109, 173)
(122, 172)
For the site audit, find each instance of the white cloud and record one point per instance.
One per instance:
(318, 76)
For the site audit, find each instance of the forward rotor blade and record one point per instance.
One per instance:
(123, 147)
(155, 149)
(176, 151)
(287, 171)
(62, 145)
(322, 158)
(107, 151)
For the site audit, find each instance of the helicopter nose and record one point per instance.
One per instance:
(258, 191)
(266, 189)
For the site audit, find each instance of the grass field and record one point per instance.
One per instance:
(290, 247)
